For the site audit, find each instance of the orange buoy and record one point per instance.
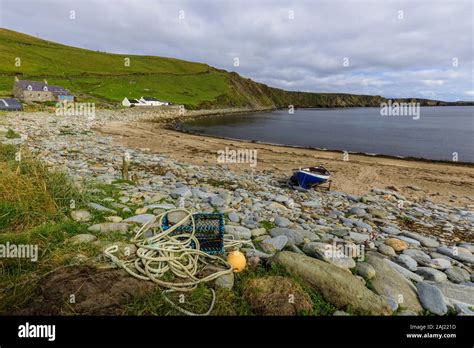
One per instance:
(237, 261)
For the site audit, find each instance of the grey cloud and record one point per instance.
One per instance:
(408, 57)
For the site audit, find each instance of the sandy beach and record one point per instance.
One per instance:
(438, 181)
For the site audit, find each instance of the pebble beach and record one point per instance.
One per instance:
(390, 236)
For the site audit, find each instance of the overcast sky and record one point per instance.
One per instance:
(391, 48)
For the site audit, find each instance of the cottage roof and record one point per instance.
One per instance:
(10, 104)
(150, 99)
(38, 86)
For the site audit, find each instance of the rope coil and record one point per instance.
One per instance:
(165, 252)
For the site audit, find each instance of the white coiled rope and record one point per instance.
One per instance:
(163, 252)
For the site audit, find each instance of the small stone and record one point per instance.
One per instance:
(239, 232)
(256, 232)
(217, 201)
(425, 241)
(124, 199)
(432, 274)
(339, 232)
(254, 253)
(82, 238)
(358, 237)
(176, 216)
(113, 218)
(386, 250)
(164, 206)
(312, 204)
(457, 274)
(140, 211)
(233, 216)
(391, 230)
(357, 211)
(440, 263)
(182, 191)
(365, 270)
(274, 244)
(294, 237)
(100, 207)
(107, 227)
(81, 215)
(378, 213)
(253, 262)
(419, 256)
(396, 244)
(225, 281)
(407, 262)
(282, 221)
(140, 219)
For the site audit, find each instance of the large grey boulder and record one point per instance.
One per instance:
(432, 298)
(336, 285)
(392, 284)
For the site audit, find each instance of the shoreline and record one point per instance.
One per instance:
(417, 179)
(440, 181)
(380, 155)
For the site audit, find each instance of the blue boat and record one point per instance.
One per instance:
(309, 177)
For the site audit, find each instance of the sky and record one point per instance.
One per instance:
(397, 49)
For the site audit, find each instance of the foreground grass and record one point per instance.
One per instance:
(34, 203)
(30, 194)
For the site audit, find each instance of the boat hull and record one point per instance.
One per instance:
(306, 180)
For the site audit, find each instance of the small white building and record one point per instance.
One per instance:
(129, 102)
(143, 101)
(150, 101)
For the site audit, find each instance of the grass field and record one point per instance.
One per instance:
(106, 78)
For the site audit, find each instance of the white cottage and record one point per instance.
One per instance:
(150, 101)
(130, 102)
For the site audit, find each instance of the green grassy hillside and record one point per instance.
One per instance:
(104, 78)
